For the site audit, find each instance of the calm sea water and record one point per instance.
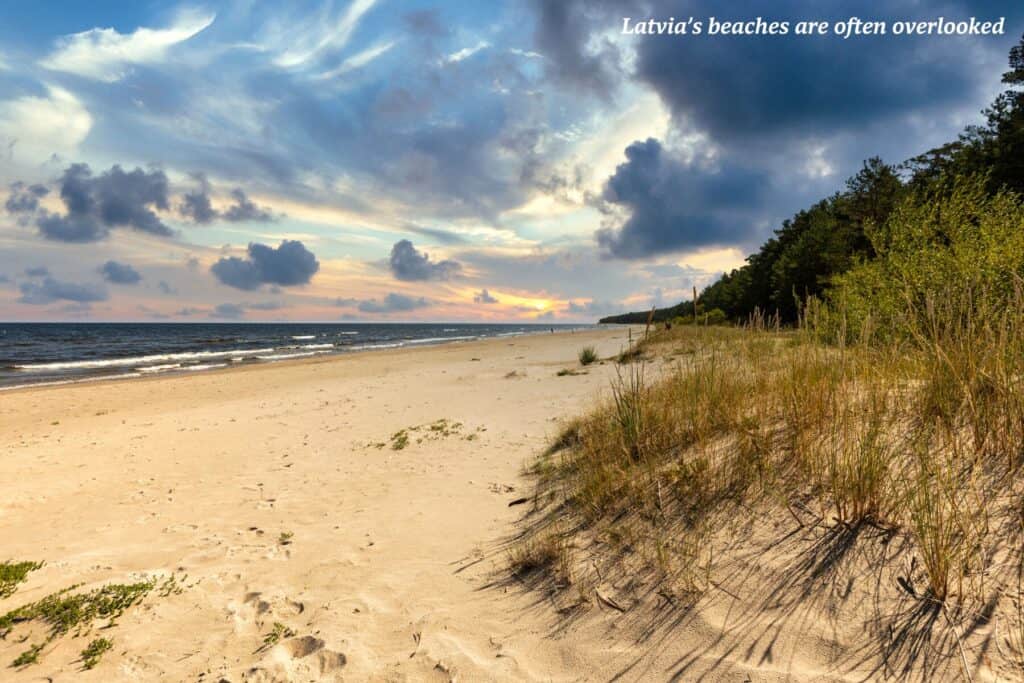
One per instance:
(43, 353)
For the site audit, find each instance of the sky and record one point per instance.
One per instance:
(398, 160)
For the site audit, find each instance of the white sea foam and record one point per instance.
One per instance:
(156, 358)
(304, 336)
(286, 356)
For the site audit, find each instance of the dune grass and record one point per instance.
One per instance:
(587, 355)
(898, 403)
(922, 437)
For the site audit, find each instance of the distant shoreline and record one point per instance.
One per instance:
(221, 361)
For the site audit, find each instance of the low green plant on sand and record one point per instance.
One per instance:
(65, 612)
(94, 651)
(13, 573)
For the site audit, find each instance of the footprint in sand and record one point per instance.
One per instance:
(300, 658)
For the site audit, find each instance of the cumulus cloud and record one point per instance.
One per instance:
(244, 210)
(484, 297)
(407, 263)
(106, 55)
(24, 198)
(287, 265)
(166, 288)
(119, 273)
(189, 310)
(37, 271)
(96, 204)
(393, 303)
(195, 204)
(674, 206)
(49, 289)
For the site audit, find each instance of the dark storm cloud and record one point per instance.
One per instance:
(407, 263)
(754, 86)
(48, 290)
(24, 198)
(741, 86)
(393, 303)
(287, 265)
(195, 204)
(484, 297)
(119, 273)
(116, 198)
(563, 34)
(675, 206)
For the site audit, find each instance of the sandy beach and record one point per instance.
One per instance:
(275, 496)
(349, 518)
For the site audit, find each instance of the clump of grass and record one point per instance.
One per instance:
(13, 573)
(568, 372)
(29, 656)
(277, 633)
(567, 437)
(634, 353)
(587, 355)
(94, 651)
(286, 538)
(549, 552)
(399, 440)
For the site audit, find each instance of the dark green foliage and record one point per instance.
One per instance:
(809, 251)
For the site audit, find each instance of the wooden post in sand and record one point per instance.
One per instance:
(650, 317)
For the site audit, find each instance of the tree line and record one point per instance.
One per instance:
(810, 251)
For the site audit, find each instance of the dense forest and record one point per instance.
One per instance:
(812, 249)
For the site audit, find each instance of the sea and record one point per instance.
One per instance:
(60, 353)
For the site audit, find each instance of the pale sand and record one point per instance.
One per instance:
(397, 569)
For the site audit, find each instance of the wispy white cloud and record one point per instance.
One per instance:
(41, 126)
(323, 38)
(466, 52)
(357, 61)
(105, 55)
